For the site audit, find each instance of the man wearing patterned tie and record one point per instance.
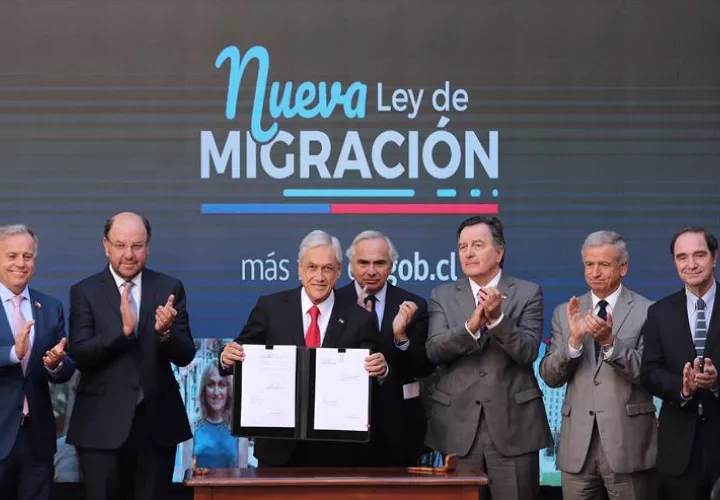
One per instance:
(32, 353)
(609, 432)
(311, 315)
(485, 334)
(679, 363)
(128, 326)
(399, 422)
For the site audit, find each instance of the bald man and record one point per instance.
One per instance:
(128, 326)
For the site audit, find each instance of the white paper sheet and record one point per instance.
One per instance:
(341, 390)
(268, 386)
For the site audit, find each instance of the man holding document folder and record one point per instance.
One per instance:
(310, 316)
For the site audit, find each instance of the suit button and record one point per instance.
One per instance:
(597, 383)
(482, 374)
(592, 413)
(478, 402)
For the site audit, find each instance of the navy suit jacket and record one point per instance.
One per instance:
(114, 366)
(49, 330)
(399, 424)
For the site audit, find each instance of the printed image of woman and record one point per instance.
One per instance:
(213, 444)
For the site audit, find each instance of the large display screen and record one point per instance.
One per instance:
(238, 127)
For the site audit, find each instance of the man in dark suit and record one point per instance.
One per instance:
(32, 353)
(311, 315)
(128, 416)
(399, 424)
(679, 363)
(484, 333)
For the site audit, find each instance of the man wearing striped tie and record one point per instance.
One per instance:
(681, 336)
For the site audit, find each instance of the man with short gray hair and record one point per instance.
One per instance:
(32, 353)
(313, 316)
(399, 418)
(609, 432)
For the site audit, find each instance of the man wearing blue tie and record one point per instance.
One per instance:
(679, 363)
(32, 352)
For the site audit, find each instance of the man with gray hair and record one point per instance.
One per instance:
(32, 353)
(399, 418)
(609, 432)
(311, 315)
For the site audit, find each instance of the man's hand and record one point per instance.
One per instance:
(599, 329)
(56, 355)
(491, 299)
(478, 319)
(402, 319)
(127, 312)
(689, 386)
(165, 315)
(231, 353)
(362, 296)
(576, 323)
(375, 365)
(22, 341)
(708, 378)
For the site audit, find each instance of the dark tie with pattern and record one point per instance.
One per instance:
(700, 329)
(602, 314)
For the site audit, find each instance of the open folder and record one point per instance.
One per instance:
(302, 393)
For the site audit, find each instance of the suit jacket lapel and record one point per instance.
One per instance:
(335, 327)
(392, 303)
(682, 326)
(588, 343)
(147, 309)
(295, 327)
(111, 292)
(506, 286)
(714, 326)
(39, 317)
(464, 297)
(622, 309)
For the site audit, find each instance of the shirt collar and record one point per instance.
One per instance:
(610, 299)
(325, 306)
(6, 294)
(119, 281)
(493, 282)
(380, 296)
(709, 297)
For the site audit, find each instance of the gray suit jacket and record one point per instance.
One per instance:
(494, 374)
(608, 391)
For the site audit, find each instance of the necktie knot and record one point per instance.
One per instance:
(314, 313)
(17, 300)
(700, 304)
(602, 312)
(312, 337)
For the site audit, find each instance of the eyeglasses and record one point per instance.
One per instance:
(121, 247)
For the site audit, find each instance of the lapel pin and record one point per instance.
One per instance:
(341, 321)
(37, 305)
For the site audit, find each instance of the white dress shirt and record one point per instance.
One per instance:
(611, 302)
(325, 307)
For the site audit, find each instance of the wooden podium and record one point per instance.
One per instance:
(333, 484)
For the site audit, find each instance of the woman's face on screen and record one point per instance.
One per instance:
(216, 394)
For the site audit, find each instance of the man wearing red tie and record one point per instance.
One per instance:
(312, 316)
